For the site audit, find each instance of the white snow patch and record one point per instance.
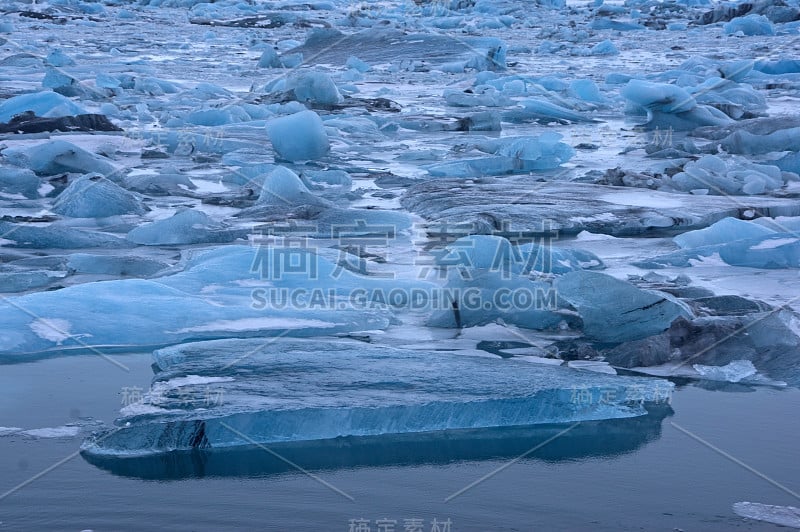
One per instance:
(51, 329)
(255, 324)
(641, 199)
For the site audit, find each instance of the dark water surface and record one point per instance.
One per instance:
(639, 474)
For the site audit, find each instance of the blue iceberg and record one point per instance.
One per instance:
(615, 311)
(298, 137)
(233, 393)
(93, 196)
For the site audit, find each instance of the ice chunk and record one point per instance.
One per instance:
(17, 181)
(487, 281)
(615, 311)
(58, 58)
(303, 391)
(670, 106)
(298, 137)
(750, 25)
(513, 155)
(46, 103)
(357, 64)
(731, 176)
(733, 372)
(283, 188)
(602, 23)
(777, 250)
(543, 111)
(586, 90)
(545, 258)
(314, 87)
(187, 226)
(779, 515)
(93, 196)
(58, 156)
(269, 59)
(721, 232)
(604, 48)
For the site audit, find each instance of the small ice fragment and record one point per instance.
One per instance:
(733, 372)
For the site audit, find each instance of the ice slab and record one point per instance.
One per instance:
(522, 204)
(289, 391)
(232, 291)
(780, 515)
(378, 45)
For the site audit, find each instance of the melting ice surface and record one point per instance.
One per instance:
(295, 390)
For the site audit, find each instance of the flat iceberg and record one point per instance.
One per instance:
(290, 391)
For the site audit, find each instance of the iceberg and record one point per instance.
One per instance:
(298, 137)
(485, 282)
(44, 104)
(615, 311)
(187, 226)
(733, 176)
(293, 391)
(93, 196)
(721, 232)
(19, 181)
(670, 106)
(58, 156)
(750, 25)
(513, 155)
(314, 87)
(777, 250)
(282, 188)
